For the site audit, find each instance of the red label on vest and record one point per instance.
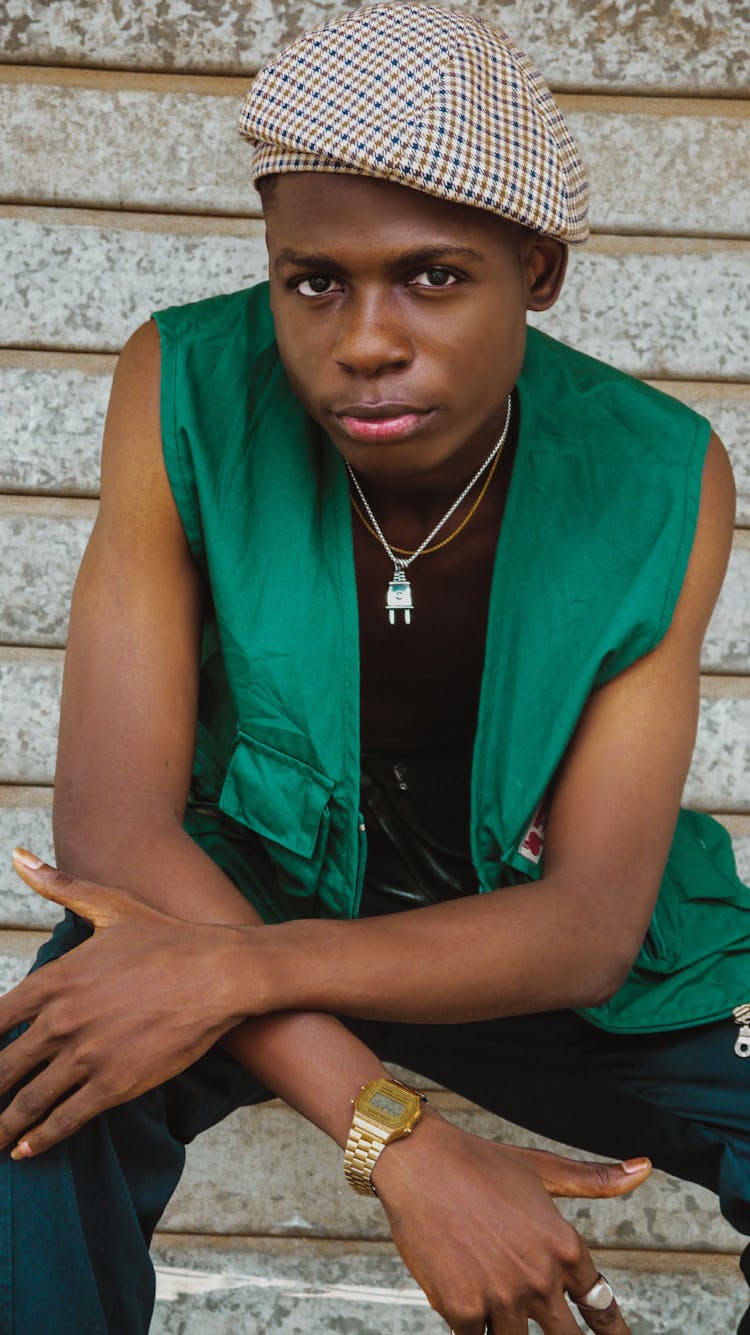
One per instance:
(532, 844)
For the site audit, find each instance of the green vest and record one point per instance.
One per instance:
(597, 531)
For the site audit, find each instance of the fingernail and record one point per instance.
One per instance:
(635, 1165)
(27, 859)
(22, 1150)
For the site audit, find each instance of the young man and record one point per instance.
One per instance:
(388, 601)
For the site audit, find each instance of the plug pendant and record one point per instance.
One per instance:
(398, 598)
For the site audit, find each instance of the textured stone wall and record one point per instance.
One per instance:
(124, 187)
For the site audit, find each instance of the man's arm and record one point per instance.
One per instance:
(127, 734)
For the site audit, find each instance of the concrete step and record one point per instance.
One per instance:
(254, 1286)
(110, 144)
(616, 47)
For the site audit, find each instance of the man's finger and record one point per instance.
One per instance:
(556, 1319)
(20, 1057)
(607, 1322)
(64, 1121)
(603, 1321)
(501, 1321)
(97, 904)
(23, 1002)
(574, 1177)
(518, 1326)
(33, 1102)
(469, 1328)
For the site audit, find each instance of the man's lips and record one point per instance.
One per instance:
(382, 421)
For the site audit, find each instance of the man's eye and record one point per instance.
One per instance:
(316, 286)
(435, 278)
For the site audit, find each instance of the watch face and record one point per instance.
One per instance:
(384, 1103)
(388, 1105)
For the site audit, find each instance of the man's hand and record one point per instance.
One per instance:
(475, 1224)
(132, 1006)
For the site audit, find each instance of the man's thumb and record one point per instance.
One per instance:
(574, 1177)
(87, 900)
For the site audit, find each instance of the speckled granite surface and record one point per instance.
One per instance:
(255, 1287)
(654, 45)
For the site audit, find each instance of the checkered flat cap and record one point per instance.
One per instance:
(431, 98)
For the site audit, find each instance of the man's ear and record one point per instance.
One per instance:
(544, 260)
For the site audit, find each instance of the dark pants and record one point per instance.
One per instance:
(78, 1220)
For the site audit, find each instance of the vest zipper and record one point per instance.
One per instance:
(361, 864)
(742, 1019)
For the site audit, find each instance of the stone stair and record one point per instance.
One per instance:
(255, 1286)
(322, 1262)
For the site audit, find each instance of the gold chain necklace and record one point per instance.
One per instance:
(406, 551)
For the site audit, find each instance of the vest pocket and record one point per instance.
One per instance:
(286, 803)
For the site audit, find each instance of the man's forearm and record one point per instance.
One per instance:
(520, 950)
(311, 1061)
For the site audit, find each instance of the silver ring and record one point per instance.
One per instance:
(598, 1298)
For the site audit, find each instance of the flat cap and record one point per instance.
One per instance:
(436, 99)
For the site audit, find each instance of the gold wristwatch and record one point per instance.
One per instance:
(384, 1110)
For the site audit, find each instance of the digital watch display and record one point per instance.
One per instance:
(383, 1103)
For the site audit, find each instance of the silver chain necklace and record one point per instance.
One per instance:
(398, 597)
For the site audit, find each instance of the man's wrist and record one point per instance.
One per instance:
(266, 968)
(403, 1161)
(240, 965)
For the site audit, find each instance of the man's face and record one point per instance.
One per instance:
(401, 319)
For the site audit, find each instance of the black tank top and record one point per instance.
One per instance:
(416, 812)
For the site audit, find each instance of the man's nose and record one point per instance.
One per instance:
(372, 337)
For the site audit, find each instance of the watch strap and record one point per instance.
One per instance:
(363, 1149)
